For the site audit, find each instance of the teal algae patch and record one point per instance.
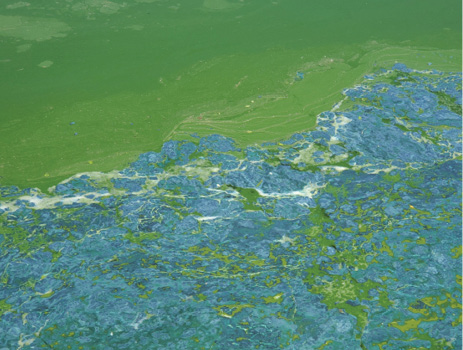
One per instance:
(344, 237)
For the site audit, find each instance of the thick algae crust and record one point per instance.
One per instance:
(348, 236)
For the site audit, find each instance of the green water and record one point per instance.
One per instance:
(132, 75)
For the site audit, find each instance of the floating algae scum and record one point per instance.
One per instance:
(132, 75)
(289, 175)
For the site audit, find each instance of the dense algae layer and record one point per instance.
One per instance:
(345, 237)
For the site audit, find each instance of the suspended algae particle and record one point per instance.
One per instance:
(218, 5)
(386, 248)
(140, 237)
(107, 7)
(273, 299)
(326, 343)
(103, 6)
(46, 294)
(4, 307)
(23, 48)
(136, 27)
(407, 325)
(45, 64)
(17, 5)
(32, 28)
(421, 240)
(251, 196)
(230, 310)
(456, 251)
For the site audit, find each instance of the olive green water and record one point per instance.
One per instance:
(131, 75)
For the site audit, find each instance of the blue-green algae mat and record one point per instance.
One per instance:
(347, 236)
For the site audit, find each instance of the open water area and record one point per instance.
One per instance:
(219, 174)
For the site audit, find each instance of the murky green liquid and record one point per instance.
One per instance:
(131, 75)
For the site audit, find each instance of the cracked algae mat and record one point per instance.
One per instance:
(346, 236)
(214, 174)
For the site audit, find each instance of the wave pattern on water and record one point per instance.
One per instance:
(347, 236)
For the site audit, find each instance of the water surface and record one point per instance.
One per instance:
(132, 75)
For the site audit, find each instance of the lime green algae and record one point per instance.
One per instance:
(155, 72)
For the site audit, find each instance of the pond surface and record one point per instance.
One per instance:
(132, 75)
(224, 174)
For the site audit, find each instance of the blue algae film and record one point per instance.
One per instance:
(344, 237)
